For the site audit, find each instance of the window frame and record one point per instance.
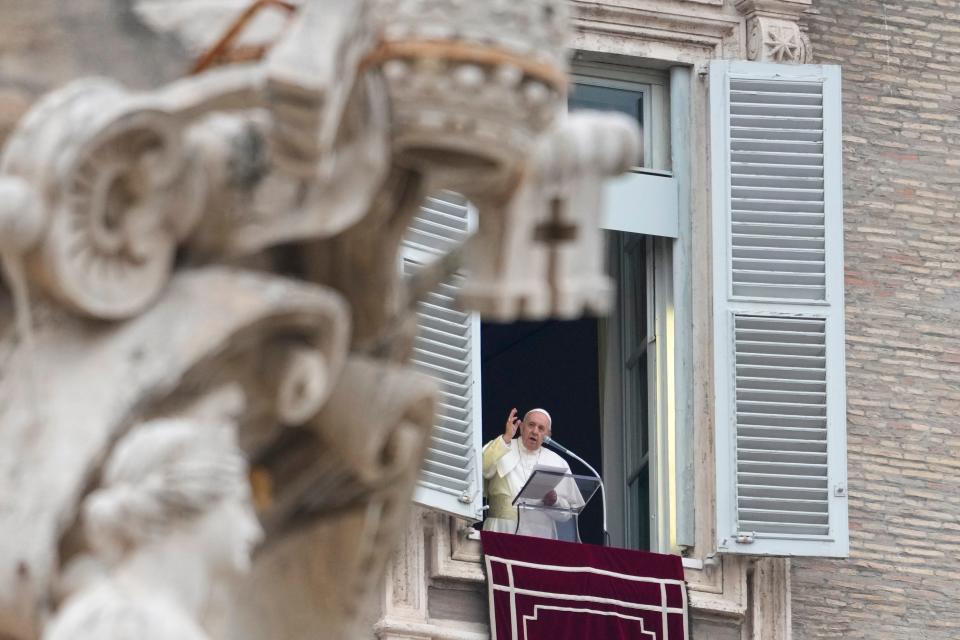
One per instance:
(659, 412)
(656, 105)
(658, 273)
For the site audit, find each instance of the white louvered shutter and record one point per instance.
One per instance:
(447, 348)
(778, 309)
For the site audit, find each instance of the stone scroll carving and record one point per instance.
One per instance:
(113, 190)
(239, 229)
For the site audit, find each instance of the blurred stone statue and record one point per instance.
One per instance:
(171, 521)
(242, 226)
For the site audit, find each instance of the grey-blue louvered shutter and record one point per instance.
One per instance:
(447, 348)
(778, 309)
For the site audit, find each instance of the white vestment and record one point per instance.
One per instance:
(506, 469)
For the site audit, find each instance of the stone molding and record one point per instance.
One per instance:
(453, 557)
(694, 32)
(689, 33)
(438, 547)
(770, 593)
(455, 551)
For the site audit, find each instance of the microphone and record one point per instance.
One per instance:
(553, 444)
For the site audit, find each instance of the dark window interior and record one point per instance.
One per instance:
(553, 365)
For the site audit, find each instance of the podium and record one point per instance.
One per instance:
(558, 521)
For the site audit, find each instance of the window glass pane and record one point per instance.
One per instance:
(643, 511)
(633, 300)
(637, 266)
(633, 304)
(639, 412)
(588, 96)
(635, 397)
(601, 98)
(638, 509)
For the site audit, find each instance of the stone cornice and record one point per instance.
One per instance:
(689, 19)
(783, 9)
(711, 605)
(394, 628)
(684, 33)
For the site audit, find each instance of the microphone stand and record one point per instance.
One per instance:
(550, 442)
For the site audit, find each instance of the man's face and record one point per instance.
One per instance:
(534, 429)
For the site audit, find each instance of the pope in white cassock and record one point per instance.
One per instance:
(509, 463)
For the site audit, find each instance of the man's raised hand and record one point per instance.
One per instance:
(513, 423)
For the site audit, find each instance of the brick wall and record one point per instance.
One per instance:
(901, 66)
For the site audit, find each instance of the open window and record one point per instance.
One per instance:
(606, 381)
(635, 341)
(778, 324)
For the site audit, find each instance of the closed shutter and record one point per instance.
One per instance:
(447, 348)
(778, 309)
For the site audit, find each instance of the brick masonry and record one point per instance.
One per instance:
(901, 67)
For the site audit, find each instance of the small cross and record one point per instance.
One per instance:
(556, 229)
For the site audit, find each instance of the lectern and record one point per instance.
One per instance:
(558, 521)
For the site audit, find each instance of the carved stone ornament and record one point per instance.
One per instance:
(171, 519)
(776, 40)
(223, 250)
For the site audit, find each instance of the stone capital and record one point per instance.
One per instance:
(776, 40)
(773, 31)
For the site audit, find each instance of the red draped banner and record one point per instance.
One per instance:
(548, 590)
